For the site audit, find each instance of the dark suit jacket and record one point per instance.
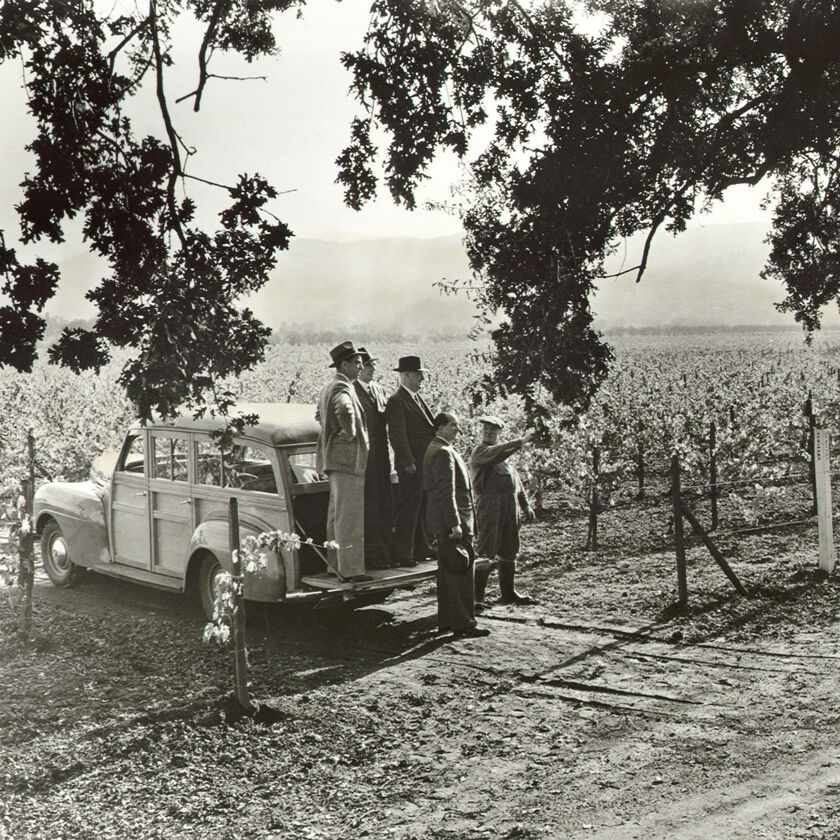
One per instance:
(373, 402)
(410, 428)
(449, 497)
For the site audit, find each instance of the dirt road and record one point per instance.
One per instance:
(559, 724)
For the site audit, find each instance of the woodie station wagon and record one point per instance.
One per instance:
(156, 512)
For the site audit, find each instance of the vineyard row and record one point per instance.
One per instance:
(747, 405)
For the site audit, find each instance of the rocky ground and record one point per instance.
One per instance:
(603, 712)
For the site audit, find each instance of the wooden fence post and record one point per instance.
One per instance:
(640, 469)
(679, 536)
(240, 654)
(822, 473)
(713, 550)
(808, 411)
(713, 473)
(594, 501)
(26, 551)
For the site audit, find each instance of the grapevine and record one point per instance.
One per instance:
(663, 396)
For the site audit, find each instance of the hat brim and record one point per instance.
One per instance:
(410, 370)
(337, 362)
(456, 559)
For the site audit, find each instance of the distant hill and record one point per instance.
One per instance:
(707, 276)
(386, 283)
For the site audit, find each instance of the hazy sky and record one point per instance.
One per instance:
(290, 128)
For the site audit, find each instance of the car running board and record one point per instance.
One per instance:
(147, 578)
(382, 578)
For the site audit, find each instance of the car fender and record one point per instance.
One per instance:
(267, 583)
(79, 509)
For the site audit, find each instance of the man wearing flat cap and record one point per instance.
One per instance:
(379, 509)
(501, 504)
(342, 454)
(410, 430)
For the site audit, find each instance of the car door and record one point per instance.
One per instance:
(170, 503)
(130, 538)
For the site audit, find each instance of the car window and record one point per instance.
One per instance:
(208, 464)
(303, 468)
(170, 458)
(134, 459)
(250, 468)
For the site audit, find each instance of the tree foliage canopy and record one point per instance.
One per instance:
(584, 123)
(581, 123)
(172, 287)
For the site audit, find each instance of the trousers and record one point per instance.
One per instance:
(455, 595)
(346, 522)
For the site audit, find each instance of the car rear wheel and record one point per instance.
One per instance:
(208, 583)
(55, 555)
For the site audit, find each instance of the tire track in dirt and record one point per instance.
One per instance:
(766, 805)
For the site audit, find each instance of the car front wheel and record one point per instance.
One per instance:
(55, 555)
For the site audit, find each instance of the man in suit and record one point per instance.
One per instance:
(342, 454)
(379, 509)
(450, 515)
(410, 430)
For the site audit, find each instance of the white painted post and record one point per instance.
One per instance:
(822, 470)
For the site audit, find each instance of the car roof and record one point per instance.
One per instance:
(280, 424)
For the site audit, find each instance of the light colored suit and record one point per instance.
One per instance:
(343, 442)
(342, 454)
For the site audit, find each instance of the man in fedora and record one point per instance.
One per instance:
(410, 430)
(501, 505)
(342, 454)
(379, 509)
(450, 514)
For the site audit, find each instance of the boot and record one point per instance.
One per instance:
(507, 572)
(481, 576)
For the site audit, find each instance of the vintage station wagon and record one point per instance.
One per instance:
(156, 512)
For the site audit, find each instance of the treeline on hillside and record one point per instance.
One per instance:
(309, 333)
(708, 329)
(303, 332)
